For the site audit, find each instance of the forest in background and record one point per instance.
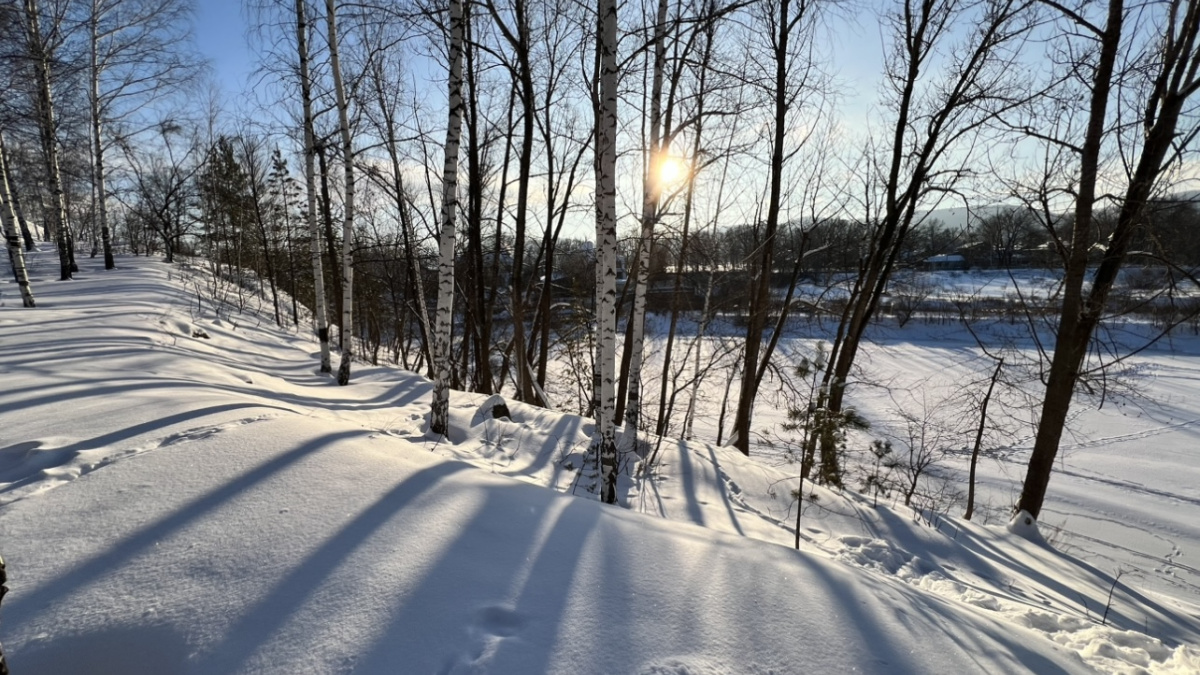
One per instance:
(480, 190)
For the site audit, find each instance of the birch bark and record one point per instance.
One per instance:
(319, 310)
(97, 145)
(347, 330)
(445, 303)
(46, 125)
(606, 250)
(12, 235)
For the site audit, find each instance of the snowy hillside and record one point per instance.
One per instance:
(183, 493)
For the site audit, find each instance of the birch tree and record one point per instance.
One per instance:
(39, 54)
(134, 58)
(12, 235)
(320, 313)
(606, 248)
(19, 213)
(445, 303)
(384, 116)
(347, 329)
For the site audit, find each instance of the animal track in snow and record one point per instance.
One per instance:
(27, 469)
(490, 625)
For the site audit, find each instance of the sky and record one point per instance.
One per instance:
(221, 36)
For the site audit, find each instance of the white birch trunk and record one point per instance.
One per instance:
(97, 145)
(319, 311)
(438, 419)
(45, 109)
(606, 250)
(12, 235)
(347, 330)
(16, 203)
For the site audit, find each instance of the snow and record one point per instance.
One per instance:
(176, 504)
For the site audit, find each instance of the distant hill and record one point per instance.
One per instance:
(958, 217)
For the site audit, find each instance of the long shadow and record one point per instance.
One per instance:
(110, 651)
(37, 358)
(543, 600)
(127, 433)
(41, 328)
(256, 626)
(1000, 634)
(414, 392)
(99, 392)
(120, 552)
(876, 647)
(567, 426)
(398, 395)
(474, 580)
(1102, 581)
(687, 472)
(721, 485)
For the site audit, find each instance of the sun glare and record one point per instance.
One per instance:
(670, 170)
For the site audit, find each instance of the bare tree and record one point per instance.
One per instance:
(320, 314)
(938, 112)
(135, 57)
(383, 113)
(605, 102)
(977, 445)
(1160, 45)
(12, 235)
(347, 330)
(790, 26)
(629, 403)
(38, 50)
(443, 335)
(519, 39)
(162, 188)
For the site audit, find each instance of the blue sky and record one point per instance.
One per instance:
(221, 38)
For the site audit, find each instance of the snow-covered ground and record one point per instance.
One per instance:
(172, 503)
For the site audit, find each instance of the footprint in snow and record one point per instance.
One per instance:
(498, 620)
(488, 628)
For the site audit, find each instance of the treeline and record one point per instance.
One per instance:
(442, 185)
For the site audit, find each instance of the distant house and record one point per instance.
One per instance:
(951, 261)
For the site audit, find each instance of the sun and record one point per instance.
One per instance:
(671, 170)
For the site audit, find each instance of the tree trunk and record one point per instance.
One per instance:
(320, 314)
(651, 194)
(18, 212)
(987, 398)
(57, 221)
(98, 145)
(439, 415)
(331, 247)
(1177, 81)
(8, 220)
(760, 299)
(347, 332)
(479, 310)
(606, 248)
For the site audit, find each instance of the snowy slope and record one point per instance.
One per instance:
(179, 504)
